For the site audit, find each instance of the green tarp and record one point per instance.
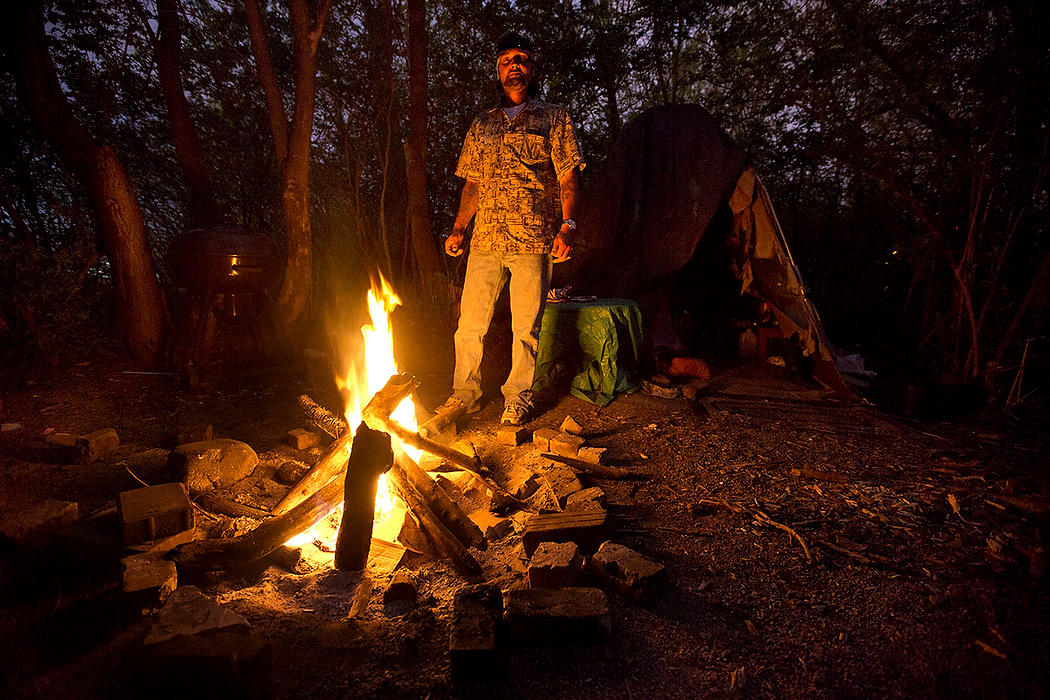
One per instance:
(596, 343)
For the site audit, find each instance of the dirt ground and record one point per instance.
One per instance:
(813, 549)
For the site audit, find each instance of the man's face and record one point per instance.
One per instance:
(514, 69)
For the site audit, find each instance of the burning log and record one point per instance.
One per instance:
(446, 510)
(445, 541)
(218, 555)
(377, 416)
(334, 459)
(369, 458)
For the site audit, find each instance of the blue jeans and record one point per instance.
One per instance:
(487, 273)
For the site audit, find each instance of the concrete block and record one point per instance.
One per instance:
(475, 651)
(97, 445)
(402, 586)
(302, 439)
(558, 616)
(570, 426)
(542, 439)
(148, 580)
(566, 445)
(512, 435)
(188, 612)
(592, 455)
(629, 573)
(555, 565)
(196, 433)
(153, 512)
(587, 499)
(32, 526)
(588, 529)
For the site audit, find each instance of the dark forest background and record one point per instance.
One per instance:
(904, 143)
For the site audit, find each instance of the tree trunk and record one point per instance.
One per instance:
(295, 161)
(425, 254)
(141, 308)
(203, 209)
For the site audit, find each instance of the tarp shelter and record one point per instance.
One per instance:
(676, 219)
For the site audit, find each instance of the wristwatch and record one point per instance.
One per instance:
(570, 222)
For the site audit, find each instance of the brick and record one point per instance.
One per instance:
(588, 529)
(587, 499)
(61, 439)
(555, 565)
(542, 438)
(558, 616)
(629, 573)
(570, 426)
(153, 512)
(494, 527)
(592, 455)
(402, 586)
(97, 445)
(148, 580)
(475, 650)
(196, 433)
(566, 445)
(512, 435)
(302, 439)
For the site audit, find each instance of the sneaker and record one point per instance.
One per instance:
(515, 414)
(453, 404)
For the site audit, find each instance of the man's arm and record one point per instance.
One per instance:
(468, 205)
(562, 242)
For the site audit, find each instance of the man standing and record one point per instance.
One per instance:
(519, 161)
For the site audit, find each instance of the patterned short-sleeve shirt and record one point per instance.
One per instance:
(517, 164)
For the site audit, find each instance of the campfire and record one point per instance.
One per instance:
(373, 460)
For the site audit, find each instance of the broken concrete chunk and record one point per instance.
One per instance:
(562, 479)
(97, 445)
(629, 573)
(588, 529)
(195, 433)
(302, 439)
(566, 445)
(148, 579)
(221, 665)
(587, 499)
(32, 526)
(475, 652)
(402, 587)
(521, 481)
(592, 455)
(542, 439)
(187, 611)
(512, 435)
(555, 565)
(213, 464)
(570, 426)
(154, 511)
(558, 615)
(494, 527)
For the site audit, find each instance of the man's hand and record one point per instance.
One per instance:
(561, 250)
(454, 244)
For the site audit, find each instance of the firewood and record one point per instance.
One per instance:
(370, 456)
(601, 471)
(219, 555)
(450, 514)
(322, 417)
(222, 506)
(445, 541)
